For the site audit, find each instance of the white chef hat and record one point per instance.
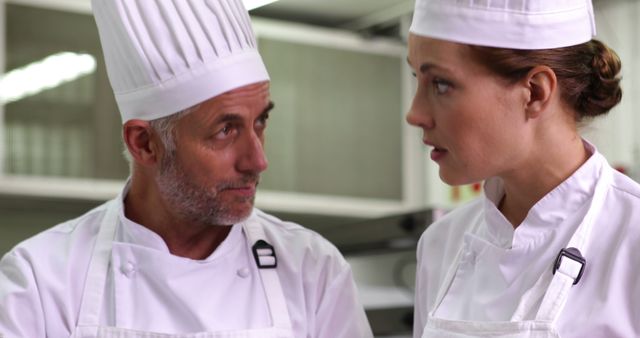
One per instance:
(165, 56)
(517, 24)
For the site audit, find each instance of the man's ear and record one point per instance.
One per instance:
(141, 141)
(542, 85)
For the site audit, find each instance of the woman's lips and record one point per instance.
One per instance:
(437, 154)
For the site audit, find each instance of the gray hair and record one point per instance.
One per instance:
(165, 127)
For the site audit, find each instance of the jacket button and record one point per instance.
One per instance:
(128, 269)
(244, 272)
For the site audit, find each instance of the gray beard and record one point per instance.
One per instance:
(195, 203)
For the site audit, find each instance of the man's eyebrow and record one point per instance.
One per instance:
(227, 117)
(233, 117)
(268, 108)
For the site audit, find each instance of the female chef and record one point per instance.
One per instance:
(548, 250)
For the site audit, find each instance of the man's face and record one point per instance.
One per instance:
(212, 176)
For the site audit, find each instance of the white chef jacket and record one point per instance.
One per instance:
(499, 264)
(42, 281)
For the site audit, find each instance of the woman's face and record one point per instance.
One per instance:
(474, 121)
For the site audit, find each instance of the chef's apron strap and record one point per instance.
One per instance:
(265, 257)
(569, 270)
(448, 277)
(531, 297)
(92, 296)
(446, 283)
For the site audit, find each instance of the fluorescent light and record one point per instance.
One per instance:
(251, 4)
(47, 73)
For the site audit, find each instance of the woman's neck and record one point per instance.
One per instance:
(542, 172)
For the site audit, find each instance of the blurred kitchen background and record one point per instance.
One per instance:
(342, 160)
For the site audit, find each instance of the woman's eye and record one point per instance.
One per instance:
(441, 86)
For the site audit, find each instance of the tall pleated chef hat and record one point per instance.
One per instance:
(516, 24)
(165, 56)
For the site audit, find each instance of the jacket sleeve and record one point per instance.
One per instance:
(420, 304)
(21, 311)
(340, 313)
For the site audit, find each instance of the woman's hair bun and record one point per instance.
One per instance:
(603, 91)
(588, 74)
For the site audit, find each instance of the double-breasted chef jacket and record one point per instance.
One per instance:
(474, 269)
(149, 292)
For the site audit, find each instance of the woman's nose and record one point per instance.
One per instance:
(419, 115)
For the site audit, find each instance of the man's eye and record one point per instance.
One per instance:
(262, 120)
(224, 132)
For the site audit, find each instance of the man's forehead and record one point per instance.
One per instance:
(231, 108)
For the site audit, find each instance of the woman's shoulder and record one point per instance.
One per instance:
(438, 248)
(457, 221)
(625, 187)
(442, 239)
(621, 210)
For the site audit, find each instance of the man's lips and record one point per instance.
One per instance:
(243, 191)
(246, 187)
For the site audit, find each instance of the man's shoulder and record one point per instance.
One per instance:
(61, 239)
(53, 264)
(278, 227)
(296, 239)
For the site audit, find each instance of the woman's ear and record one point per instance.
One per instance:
(140, 141)
(542, 85)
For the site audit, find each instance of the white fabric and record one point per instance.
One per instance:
(499, 266)
(166, 56)
(89, 322)
(556, 292)
(570, 268)
(272, 286)
(149, 290)
(517, 24)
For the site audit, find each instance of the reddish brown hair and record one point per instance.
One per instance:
(588, 74)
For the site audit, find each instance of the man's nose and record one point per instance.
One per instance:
(253, 158)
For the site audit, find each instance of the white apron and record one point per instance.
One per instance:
(89, 316)
(554, 297)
